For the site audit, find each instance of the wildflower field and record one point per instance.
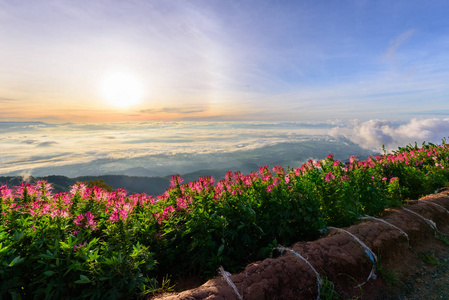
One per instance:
(94, 243)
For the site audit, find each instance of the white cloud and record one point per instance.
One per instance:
(373, 134)
(397, 42)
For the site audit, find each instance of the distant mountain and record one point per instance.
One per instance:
(154, 178)
(132, 184)
(141, 172)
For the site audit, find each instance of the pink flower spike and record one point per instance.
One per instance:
(79, 220)
(175, 180)
(181, 203)
(168, 210)
(115, 217)
(329, 176)
(236, 192)
(352, 159)
(394, 179)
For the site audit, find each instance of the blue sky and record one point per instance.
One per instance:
(304, 61)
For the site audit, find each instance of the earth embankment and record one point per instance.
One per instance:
(397, 245)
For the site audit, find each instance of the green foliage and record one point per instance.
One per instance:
(99, 183)
(429, 258)
(102, 244)
(390, 277)
(328, 290)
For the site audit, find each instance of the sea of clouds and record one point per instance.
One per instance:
(374, 134)
(164, 148)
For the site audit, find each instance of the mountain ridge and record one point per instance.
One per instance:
(153, 186)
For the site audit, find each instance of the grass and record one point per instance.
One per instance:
(429, 258)
(390, 277)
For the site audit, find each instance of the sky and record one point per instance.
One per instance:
(157, 87)
(295, 61)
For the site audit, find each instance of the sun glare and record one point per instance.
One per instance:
(122, 90)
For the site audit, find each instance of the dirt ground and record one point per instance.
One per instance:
(412, 262)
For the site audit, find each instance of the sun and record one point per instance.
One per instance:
(122, 90)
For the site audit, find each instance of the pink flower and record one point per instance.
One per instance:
(279, 170)
(229, 176)
(167, 210)
(120, 213)
(247, 180)
(79, 220)
(120, 194)
(86, 220)
(6, 193)
(329, 176)
(266, 177)
(352, 159)
(44, 187)
(79, 245)
(263, 170)
(78, 187)
(123, 214)
(236, 192)
(115, 216)
(90, 219)
(175, 180)
(181, 203)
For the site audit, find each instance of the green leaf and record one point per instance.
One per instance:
(65, 246)
(220, 250)
(49, 273)
(16, 260)
(103, 278)
(83, 279)
(4, 249)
